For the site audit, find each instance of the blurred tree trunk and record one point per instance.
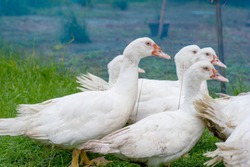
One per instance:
(220, 41)
(161, 23)
(248, 19)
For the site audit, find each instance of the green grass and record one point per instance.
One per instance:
(29, 79)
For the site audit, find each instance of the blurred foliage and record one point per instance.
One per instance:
(17, 7)
(13, 7)
(74, 31)
(241, 3)
(120, 4)
(44, 3)
(24, 7)
(85, 3)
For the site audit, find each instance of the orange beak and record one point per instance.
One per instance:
(157, 52)
(217, 76)
(217, 62)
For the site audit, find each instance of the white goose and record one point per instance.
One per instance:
(162, 137)
(174, 94)
(67, 122)
(235, 151)
(223, 115)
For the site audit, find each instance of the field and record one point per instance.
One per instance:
(35, 65)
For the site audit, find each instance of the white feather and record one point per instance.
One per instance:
(162, 137)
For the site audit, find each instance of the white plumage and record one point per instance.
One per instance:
(90, 82)
(235, 151)
(159, 95)
(223, 115)
(162, 137)
(156, 95)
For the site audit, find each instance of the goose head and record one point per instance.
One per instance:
(204, 70)
(208, 54)
(143, 47)
(194, 77)
(184, 59)
(186, 55)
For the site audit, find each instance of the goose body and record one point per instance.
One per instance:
(165, 136)
(235, 151)
(66, 121)
(223, 115)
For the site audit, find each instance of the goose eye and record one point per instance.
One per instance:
(207, 54)
(194, 51)
(206, 68)
(148, 43)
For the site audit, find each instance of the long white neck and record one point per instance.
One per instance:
(181, 68)
(127, 81)
(112, 78)
(192, 92)
(204, 89)
(179, 71)
(192, 89)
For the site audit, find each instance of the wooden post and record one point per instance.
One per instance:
(161, 22)
(220, 42)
